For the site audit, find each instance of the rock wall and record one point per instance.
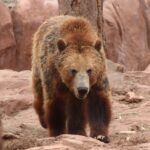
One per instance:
(27, 16)
(0, 134)
(7, 39)
(126, 26)
(127, 29)
(17, 28)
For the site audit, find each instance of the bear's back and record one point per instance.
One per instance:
(47, 35)
(74, 30)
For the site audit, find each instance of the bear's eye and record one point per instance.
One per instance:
(73, 72)
(89, 71)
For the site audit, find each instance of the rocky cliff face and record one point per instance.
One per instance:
(27, 17)
(7, 39)
(18, 24)
(0, 134)
(127, 30)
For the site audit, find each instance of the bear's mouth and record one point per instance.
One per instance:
(81, 93)
(81, 97)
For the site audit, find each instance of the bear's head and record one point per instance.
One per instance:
(80, 67)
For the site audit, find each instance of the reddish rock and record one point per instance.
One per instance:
(127, 29)
(7, 40)
(71, 142)
(114, 67)
(147, 69)
(131, 97)
(140, 77)
(0, 134)
(15, 91)
(27, 16)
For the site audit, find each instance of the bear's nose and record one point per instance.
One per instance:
(82, 91)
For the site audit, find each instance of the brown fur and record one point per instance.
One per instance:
(54, 100)
(78, 32)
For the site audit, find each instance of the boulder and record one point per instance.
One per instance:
(15, 92)
(27, 16)
(147, 69)
(71, 142)
(0, 134)
(127, 31)
(7, 39)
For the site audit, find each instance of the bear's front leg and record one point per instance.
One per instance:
(76, 117)
(38, 99)
(99, 109)
(56, 117)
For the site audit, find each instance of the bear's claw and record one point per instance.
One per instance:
(103, 138)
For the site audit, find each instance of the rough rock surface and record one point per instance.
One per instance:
(127, 30)
(18, 24)
(27, 16)
(71, 142)
(0, 133)
(7, 40)
(10, 3)
(130, 127)
(148, 68)
(15, 91)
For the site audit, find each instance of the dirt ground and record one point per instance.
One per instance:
(130, 126)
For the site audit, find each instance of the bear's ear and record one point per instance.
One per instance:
(61, 44)
(98, 45)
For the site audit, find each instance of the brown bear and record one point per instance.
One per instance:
(69, 78)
